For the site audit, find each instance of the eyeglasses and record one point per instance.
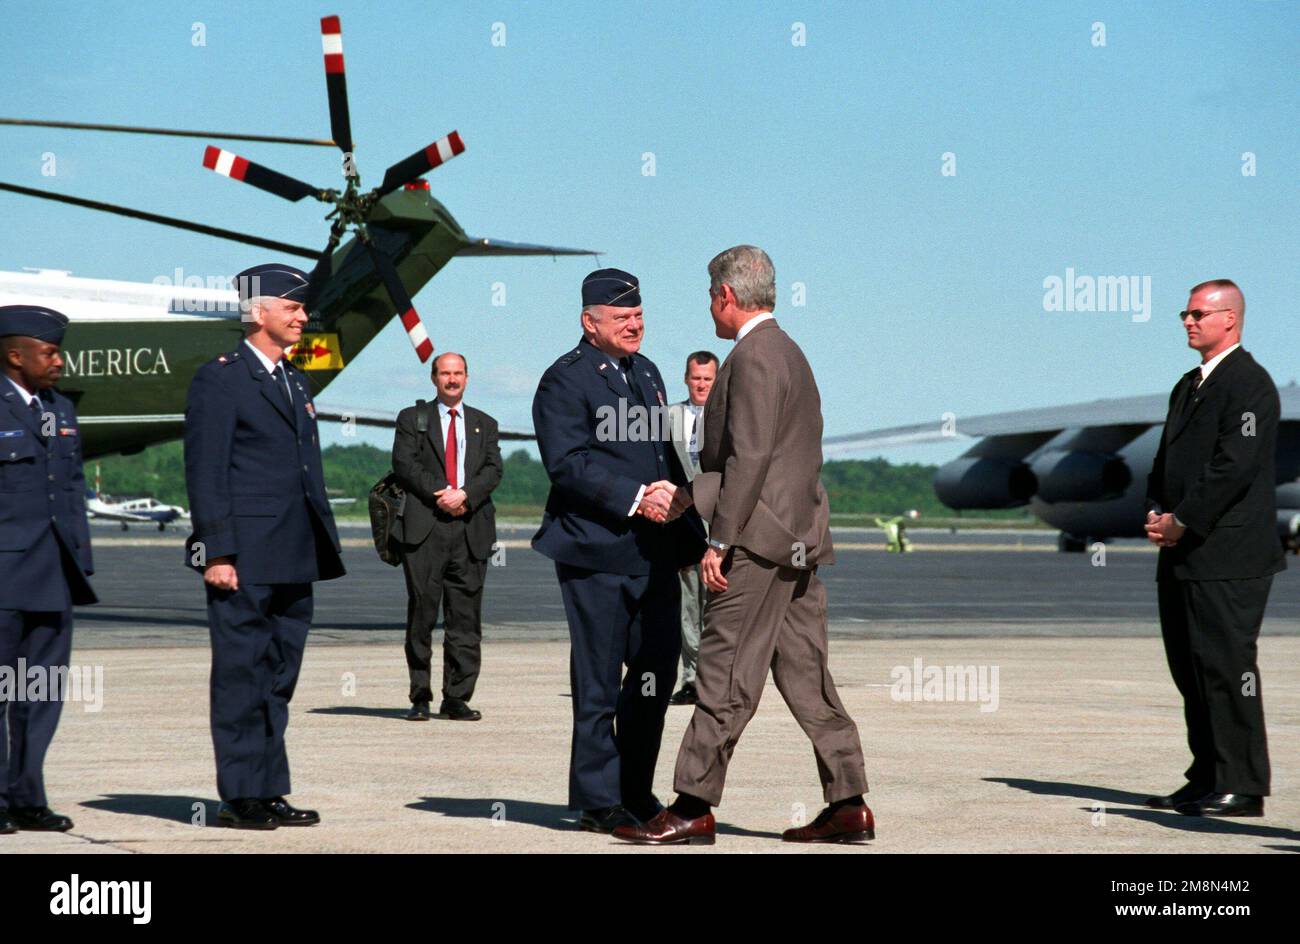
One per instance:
(1197, 313)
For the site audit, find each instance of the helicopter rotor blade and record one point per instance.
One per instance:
(405, 308)
(216, 231)
(422, 161)
(336, 82)
(235, 167)
(168, 132)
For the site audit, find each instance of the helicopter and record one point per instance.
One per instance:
(133, 347)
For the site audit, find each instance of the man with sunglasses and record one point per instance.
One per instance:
(1212, 512)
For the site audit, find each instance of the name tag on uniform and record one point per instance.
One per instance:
(12, 433)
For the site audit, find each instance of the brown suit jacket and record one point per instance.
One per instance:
(760, 485)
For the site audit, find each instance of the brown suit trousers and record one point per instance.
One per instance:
(769, 617)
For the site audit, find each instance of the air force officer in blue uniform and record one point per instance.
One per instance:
(44, 551)
(263, 533)
(617, 567)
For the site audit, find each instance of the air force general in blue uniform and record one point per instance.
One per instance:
(617, 569)
(263, 533)
(44, 554)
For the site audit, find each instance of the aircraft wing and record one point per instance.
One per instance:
(1146, 410)
(479, 246)
(1124, 411)
(381, 419)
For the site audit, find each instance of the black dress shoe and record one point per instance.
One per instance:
(453, 709)
(39, 819)
(419, 712)
(1224, 804)
(1184, 794)
(606, 819)
(686, 695)
(288, 815)
(246, 814)
(7, 824)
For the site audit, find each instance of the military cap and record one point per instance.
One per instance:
(273, 280)
(612, 287)
(33, 321)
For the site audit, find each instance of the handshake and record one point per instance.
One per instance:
(657, 502)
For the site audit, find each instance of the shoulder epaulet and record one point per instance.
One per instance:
(228, 358)
(572, 357)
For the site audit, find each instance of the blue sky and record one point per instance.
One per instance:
(924, 292)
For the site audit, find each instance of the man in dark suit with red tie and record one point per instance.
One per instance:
(446, 457)
(1212, 511)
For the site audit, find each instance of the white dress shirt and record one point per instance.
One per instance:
(753, 323)
(444, 413)
(270, 366)
(22, 391)
(1213, 362)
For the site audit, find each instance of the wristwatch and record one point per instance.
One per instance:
(719, 546)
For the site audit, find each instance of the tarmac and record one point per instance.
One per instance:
(1057, 718)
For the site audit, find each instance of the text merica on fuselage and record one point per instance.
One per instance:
(115, 362)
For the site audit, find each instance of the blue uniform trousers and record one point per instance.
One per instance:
(258, 635)
(617, 620)
(41, 640)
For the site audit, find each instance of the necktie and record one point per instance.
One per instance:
(38, 414)
(625, 365)
(281, 378)
(1191, 390)
(452, 457)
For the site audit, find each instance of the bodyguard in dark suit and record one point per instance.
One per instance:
(44, 551)
(263, 533)
(602, 430)
(448, 529)
(1212, 511)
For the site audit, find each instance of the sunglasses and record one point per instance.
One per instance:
(1197, 313)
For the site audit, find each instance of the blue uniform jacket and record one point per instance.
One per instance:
(44, 538)
(596, 468)
(254, 477)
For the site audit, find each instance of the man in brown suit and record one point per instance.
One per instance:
(760, 492)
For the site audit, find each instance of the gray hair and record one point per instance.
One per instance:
(749, 272)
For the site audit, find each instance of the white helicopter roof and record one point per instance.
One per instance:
(170, 298)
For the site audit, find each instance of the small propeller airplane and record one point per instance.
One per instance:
(133, 347)
(128, 511)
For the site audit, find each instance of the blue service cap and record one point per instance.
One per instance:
(32, 321)
(612, 287)
(273, 280)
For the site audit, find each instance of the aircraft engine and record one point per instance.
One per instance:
(1080, 476)
(982, 482)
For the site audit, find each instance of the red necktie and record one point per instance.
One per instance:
(451, 450)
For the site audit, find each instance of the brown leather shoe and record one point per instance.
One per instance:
(667, 828)
(847, 824)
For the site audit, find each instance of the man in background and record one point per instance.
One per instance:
(448, 469)
(685, 423)
(1212, 511)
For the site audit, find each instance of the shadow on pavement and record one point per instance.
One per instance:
(1166, 818)
(546, 815)
(178, 809)
(362, 711)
